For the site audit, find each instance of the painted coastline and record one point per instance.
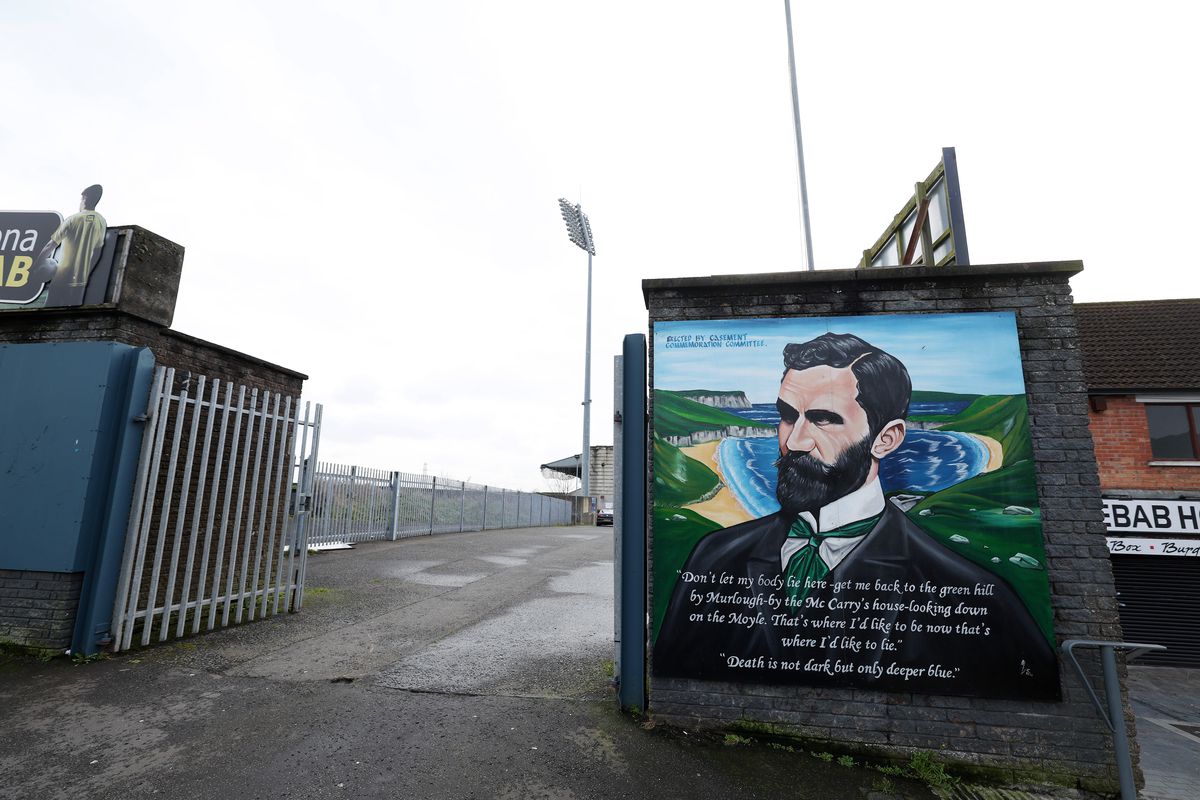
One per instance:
(995, 452)
(723, 508)
(727, 507)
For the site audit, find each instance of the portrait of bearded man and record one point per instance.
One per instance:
(842, 404)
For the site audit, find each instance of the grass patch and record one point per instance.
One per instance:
(923, 767)
(883, 784)
(322, 595)
(12, 651)
(79, 659)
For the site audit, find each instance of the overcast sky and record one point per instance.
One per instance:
(366, 191)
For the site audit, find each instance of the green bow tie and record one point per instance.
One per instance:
(806, 563)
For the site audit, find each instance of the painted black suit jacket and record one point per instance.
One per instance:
(1013, 659)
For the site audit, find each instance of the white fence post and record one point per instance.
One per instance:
(394, 532)
(462, 504)
(432, 504)
(350, 503)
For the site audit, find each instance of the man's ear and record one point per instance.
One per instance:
(889, 438)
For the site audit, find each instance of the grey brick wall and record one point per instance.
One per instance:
(1064, 742)
(170, 348)
(37, 609)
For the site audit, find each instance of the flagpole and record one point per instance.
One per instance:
(808, 248)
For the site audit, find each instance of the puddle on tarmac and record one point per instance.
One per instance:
(421, 572)
(504, 561)
(545, 647)
(595, 579)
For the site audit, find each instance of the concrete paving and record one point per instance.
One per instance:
(1166, 702)
(458, 666)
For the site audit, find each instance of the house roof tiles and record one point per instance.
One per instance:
(1140, 345)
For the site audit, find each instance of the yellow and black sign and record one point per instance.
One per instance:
(24, 273)
(50, 262)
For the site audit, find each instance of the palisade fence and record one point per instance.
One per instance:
(357, 504)
(217, 526)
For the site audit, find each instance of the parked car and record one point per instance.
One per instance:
(605, 515)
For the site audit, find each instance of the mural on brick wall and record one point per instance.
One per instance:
(48, 261)
(849, 501)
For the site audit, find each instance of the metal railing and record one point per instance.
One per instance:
(1111, 710)
(214, 537)
(358, 504)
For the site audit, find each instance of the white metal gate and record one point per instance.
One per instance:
(218, 527)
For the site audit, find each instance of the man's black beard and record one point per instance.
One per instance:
(808, 484)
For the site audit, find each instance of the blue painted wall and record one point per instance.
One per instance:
(69, 444)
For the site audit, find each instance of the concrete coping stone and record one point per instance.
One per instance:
(877, 275)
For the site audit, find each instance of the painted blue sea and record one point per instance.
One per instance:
(939, 407)
(927, 461)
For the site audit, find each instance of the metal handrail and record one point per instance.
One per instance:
(1112, 692)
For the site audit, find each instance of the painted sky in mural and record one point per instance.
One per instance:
(943, 352)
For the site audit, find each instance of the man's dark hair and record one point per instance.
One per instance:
(92, 194)
(884, 387)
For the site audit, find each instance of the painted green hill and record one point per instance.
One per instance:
(676, 531)
(679, 480)
(1005, 418)
(675, 415)
(919, 396)
(969, 519)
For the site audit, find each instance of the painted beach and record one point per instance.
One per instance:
(929, 460)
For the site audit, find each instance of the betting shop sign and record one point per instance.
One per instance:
(23, 236)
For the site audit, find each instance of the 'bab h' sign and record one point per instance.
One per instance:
(1152, 516)
(849, 501)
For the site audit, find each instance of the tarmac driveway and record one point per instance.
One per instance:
(461, 666)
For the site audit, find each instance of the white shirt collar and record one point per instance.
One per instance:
(864, 502)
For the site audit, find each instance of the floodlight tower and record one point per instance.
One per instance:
(579, 230)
